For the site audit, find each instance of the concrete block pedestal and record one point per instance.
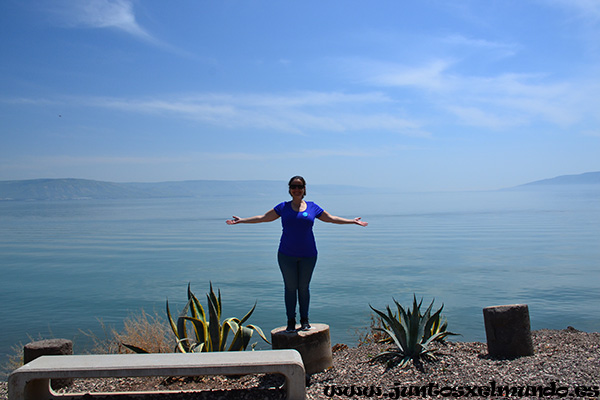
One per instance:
(313, 345)
(49, 347)
(508, 330)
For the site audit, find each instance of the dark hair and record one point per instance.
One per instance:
(298, 177)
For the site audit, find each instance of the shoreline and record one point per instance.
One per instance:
(562, 359)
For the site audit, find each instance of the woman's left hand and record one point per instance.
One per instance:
(357, 221)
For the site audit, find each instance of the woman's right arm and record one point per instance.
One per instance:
(269, 216)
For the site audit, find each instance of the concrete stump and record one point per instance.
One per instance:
(508, 330)
(313, 345)
(49, 347)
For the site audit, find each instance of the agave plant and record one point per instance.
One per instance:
(207, 332)
(411, 332)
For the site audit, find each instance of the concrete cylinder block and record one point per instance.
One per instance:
(313, 345)
(49, 347)
(508, 330)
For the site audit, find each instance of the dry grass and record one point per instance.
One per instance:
(16, 356)
(15, 360)
(149, 332)
(371, 334)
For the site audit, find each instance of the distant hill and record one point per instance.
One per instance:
(588, 178)
(82, 189)
(64, 189)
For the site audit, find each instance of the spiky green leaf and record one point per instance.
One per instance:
(259, 331)
(200, 328)
(229, 325)
(247, 316)
(171, 322)
(214, 325)
(241, 339)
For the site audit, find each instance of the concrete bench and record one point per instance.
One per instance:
(32, 381)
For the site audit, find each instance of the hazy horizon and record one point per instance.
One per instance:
(83, 189)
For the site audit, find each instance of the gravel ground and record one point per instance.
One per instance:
(566, 363)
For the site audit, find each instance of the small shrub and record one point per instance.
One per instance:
(15, 360)
(148, 331)
(411, 332)
(372, 333)
(207, 332)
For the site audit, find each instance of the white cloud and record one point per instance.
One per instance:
(304, 154)
(513, 100)
(28, 101)
(113, 14)
(294, 113)
(474, 116)
(495, 101)
(502, 49)
(432, 76)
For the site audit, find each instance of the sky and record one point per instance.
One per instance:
(430, 95)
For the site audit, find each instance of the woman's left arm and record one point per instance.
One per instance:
(326, 217)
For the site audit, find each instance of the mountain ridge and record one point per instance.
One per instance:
(87, 189)
(586, 178)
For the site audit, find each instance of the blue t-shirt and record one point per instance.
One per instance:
(297, 239)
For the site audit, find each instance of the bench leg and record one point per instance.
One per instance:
(295, 388)
(38, 389)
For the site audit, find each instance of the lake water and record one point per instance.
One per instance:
(66, 265)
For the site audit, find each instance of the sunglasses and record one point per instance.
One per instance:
(296, 186)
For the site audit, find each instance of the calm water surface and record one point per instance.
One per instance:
(67, 265)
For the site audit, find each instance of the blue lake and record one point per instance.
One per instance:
(67, 265)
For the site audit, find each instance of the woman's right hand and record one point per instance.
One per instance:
(270, 215)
